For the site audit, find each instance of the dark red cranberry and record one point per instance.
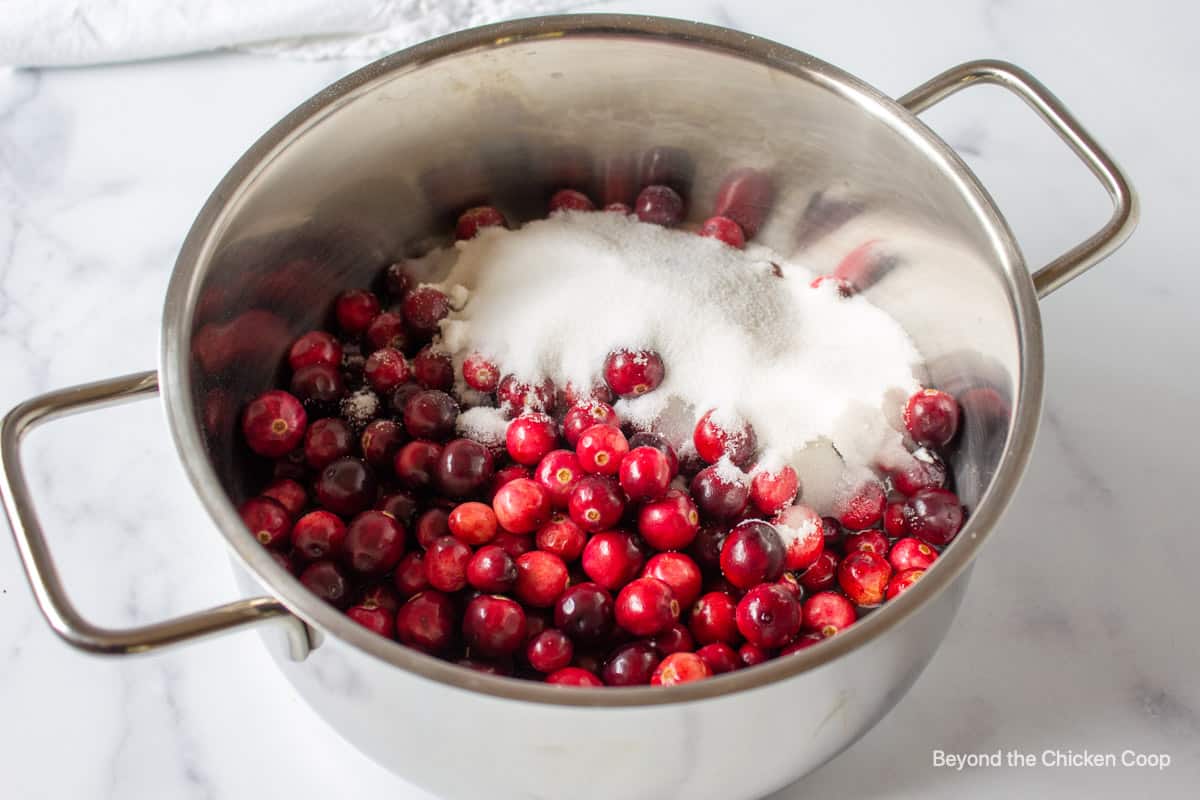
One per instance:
(515, 544)
(646, 606)
(318, 534)
(863, 576)
(611, 559)
(772, 490)
(493, 625)
(562, 537)
(400, 396)
(680, 668)
(719, 494)
(480, 373)
(751, 655)
(446, 562)
(596, 503)
(516, 396)
(902, 581)
(433, 369)
(386, 369)
(346, 487)
(327, 440)
(835, 534)
(492, 570)
(911, 553)
(893, 520)
(863, 507)
(423, 309)
(473, 523)
(822, 574)
(380, 441)
(549, 651)
(933, 515)
(315, 347)
(925, 470)
(318, 386)
(570, 200)
(326, 581)
(463, 468)
(471, 220)
(869, 542)
(746, 197)
(714, 619)
(522, 505)
(585, 613)
(398, 279)
(267, 520)
(720, 657)
(659, 205)
(670, 523)
(753, 553)
(802, 642)
(679, 572)
(355, 308)
(645, 473)
(723, 229)
(541, 578)
(530, 436)
(558, 472)
(274, 423)
(573, 676)
(289, 494)
(427, 622)
(717, 435)
(374, 543)
(353, 362)
(768, 616)
(803, 535)
(659, 443)
(582, 416)
(409, 577)
(430, 414)
(386, 331)
(416, 464)
(373, 618)
(378, 595)
(828, 613)
(843, 287)
(706, 547)
(630, 373)
(931, 417)
(632, 664)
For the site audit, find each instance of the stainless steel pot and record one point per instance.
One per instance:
(368, 168)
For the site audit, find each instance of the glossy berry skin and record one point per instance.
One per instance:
(931, 418)
(902, 581)
(561, 537)
(267, 520)
(582, 416)
(481, 374)
(716, 497)
(596, 503)
(374, 543)
(803, 535)
(822, 574)
(416, 464)
(773, 491)
(473, 219)
(925, 470)
(893, 520)
(751, 655)
(753, 553)
(375, 619)
(723, 229)
(289, 494)
(522, 506)
(430, 414)
(386, 330)
(346, 487)
(446, 562)
(713, 441)
(768, 616)
(720, 657)
(933, 515)
(910, 553)
(802, 642)
(585, 613)
(632, 373)
(659, 205)
(423, 309)
(863, 508)
(433, 369)
(549, 651)
(463, 468)
(601, 449)
(327, 440)
(315, 347)
(679, 572)
(317, 386)
(706, 547)
(473, 524)
(714, 619)
(670, 523)
(386, 369)
(506, 475)
(409, 576)
(274, 423)
(828, 613)
(427, 622)
(559, 473)
(516, 396)
(659, 443)
(646, 606)
(493, 625)
(631, 665)
(864, 576)
(541, 579)
(380, 441)
(574, 676)
(570, 200)
(432, 525)
(326, 580)
(530, 437)
(611, 559)
(872, 541)
(680, 668)
(318, 534)
(354, 309)
(645, 474)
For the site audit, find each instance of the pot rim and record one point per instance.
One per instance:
(199, 245)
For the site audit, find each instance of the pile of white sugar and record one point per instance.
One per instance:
(741, 331)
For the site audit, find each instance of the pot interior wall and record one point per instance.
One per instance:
(382, 172)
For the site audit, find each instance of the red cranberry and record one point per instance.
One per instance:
(409, 577)
(289, 494)
(380, 596)
(433, 369)
(398, 279)
(471, 220)
(585, 613)
(493, 625)
(326, 581)
(601, 449)
(267, 520)
(596, 503)
(933, 515)
(507, 475)
(791, 584)
(925, 470)
(868, 542)
(893, 520)
(373, 618)
(515, 544)
(473, 523)
(327, 440)
(570, 200)
(862, 508)
(516, 396)
(541, 578)
(931, 417)
(863, 577)
(582, 416)
(706, 547)
(630, 373)
(911, 553)
(492, 570)
(318, 534)
(646, 606)
(374, 543)
(772, 490)
(659, 443)
(835, 534)
(822, 574)
(273, 423)
(318, 386)
(645, 473)
(463, 468)
(768, 616)
(670, 523)
(714, 619)
(900, 582)
(746, 197)
(611, 559)
(315, 347)
(753, 553)
(843, 287)
(549, 651)
(386, 331)
(353, 362)
(355, 308)
(631, 665)
(386, 369)
(659, 205)
(802, 642)
(530, 437)
(803, 535)
(416, 464)
(598, 392)
(380, 441)
(480, 373)
(680, 668)
(522, 505)
(430, 414)
(400, 396)
(426, 622)
(751, 655)
(723, 229)
(720, 657)
(562, 537)
(828, 613)
(677, 571)
(720, 494)
(717, 436)
(446, 562)
(423, 309)
(618, 207)
(675, 639)
(558, 472)
(573, 676)
(346, 487)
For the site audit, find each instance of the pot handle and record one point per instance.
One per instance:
(1104, 242)
(66, 621)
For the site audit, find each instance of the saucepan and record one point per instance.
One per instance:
(378, 164)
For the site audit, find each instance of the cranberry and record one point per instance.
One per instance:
(373, 618)
(493, 625)
(267, 520)
(597, 392)
(863, 576)
(680, 668)
(446, 562)
(516, 396)
(562, 537)
(423, 309)
(386, 369)
(865, 265)
(746, 197)
(611, 559)
(289, 494)
(416, 464)
(751, 655)
(522, 505)
(646, 606)
(480, 374)
(659, 443)
(430, 414)
(327, 440)
(893, 520)
(473, 523)
(791, 584)
(835, 534)
(374, 543)
(582, 416)
(541, 578)
(315, 347)
(463, 468)
(675, 639)
(822, 574)
(471, 220)
(426, 622)
(659, 205)
(386, 331)
(355, 308)
(862, 508)
(828, 613)
(549, 651)
(398, 280)
(380, 441)
(631, 665)
(570, 200)
(433, 369)
(933, 515)
(768, 616)
(530, 437)
(716, 435)
(723, 229)
(318, 534)
(585, 613)
(772, 490)
(868, 542)
(409, 577)
(925, 470)
(353, 362)
(601, 449)
(506, 475)
(714, 619)
(911, 553)
(400, 396)
(844, 288)
(326, 581)
(720, 494)
(931, 417)
(802, 642)
(720, 657)
(596, 503)
(902, 581)
(803, 535)
(318, 386)
(559, 472)
(380, 596)
(753, 553)
(273, 423)
(670, 523)
(677, 571)
(515, 544)
(706, 547)
(573, 676)
(346, 486)
(630, 373)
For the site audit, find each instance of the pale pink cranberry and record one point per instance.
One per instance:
(680, 668)
(746, 197)
(719, 495)
(868, 542)
(473, 523)
(558, 472)
(902, 581)
(386, 369)
(723, 229)
(562, 537)
(570, 200)
(549, 651)
(864, 576)
(374, 543)
(516, 396)
(933, 515)
(267, 520)
(679, 572)
(354, 309)
(493, 625)
(573, 676)
(773, 490)
(659, 205)
(714, 619)
(380, 442)
(432, 369)
(315, 347)
(843, 287)
(530, 437)
(925, 470)
(611, 559)
(423, 309)
(713, 440)
(601, 449)
(596, 503)
(521, 506)
(931, 417)
(481, 374)
(541, 578)
(768, 616)
(446, 562)
(910, 553)
(631, 373)
(427, 622)
(828, 613)
(386, 330)
(753, 553)
(375, 619)
(645, 473)
(670, 523)
(473, 219)
(584, 415)
(289, 494)
(274, 423)
(862, 508)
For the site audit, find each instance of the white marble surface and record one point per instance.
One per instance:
(1079, 631)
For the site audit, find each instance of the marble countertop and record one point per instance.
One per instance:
(1078, 632)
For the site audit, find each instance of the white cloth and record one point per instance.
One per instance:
(55, 33)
